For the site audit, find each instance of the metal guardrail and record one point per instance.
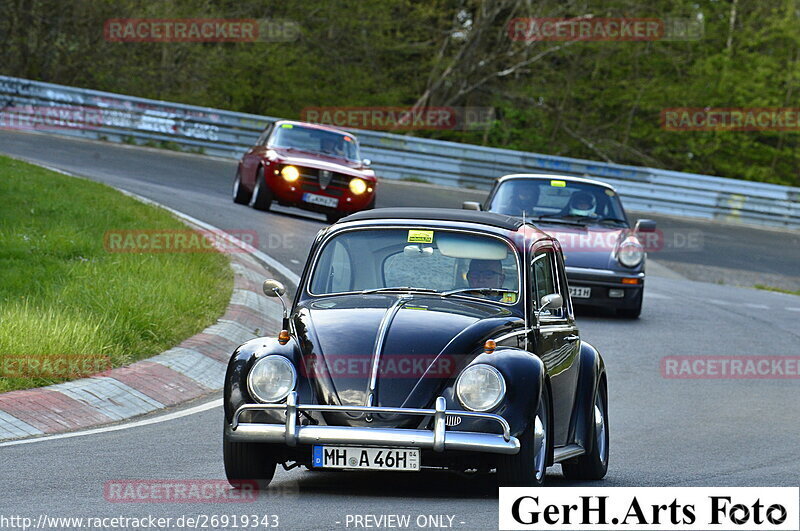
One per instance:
(117, 118)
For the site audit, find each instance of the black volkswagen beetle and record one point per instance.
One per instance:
(422, 338)
(605, 256)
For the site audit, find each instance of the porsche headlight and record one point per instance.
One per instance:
(290, 174)
(480, 387)
(271, 379)
(630, 253)
(358, 186)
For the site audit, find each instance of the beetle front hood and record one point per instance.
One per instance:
(403, 351)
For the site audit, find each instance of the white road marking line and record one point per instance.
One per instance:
(793, 309)
(118, 427)
(756, 306)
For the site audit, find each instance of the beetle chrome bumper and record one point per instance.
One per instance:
(437, 439)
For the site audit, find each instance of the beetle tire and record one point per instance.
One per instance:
(262, 196)
(519, 470)
(594, 465)
(247, 462)
(240, 195)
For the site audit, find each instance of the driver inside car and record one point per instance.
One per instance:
(486, 274)
(524, 200)
(582, 204)
(331, 145)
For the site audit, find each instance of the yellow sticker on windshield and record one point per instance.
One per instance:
(420, 236)
(559, 184)
(509, 297)
(287, 126)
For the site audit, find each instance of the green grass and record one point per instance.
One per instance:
(62, 294)
(779, 290)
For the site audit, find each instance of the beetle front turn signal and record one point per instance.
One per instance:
(630, 280)
(489, 346)
(283, 337)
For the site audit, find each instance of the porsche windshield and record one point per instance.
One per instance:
(419, 259)
(557, 199)
(315, 140)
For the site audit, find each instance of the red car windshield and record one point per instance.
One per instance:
(315, 140)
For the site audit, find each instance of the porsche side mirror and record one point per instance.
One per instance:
(470, 205)
(554, 300)
(645, 225)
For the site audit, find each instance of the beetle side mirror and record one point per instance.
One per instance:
(366, 163)
(274, 288)
(552, 301)
(470, 205)
(645, 225)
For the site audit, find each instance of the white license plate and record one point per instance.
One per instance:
(320, 200)
(366, 458)
(580, 293)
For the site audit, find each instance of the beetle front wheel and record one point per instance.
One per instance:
(247, 462)
(528, 467)
(593, 465)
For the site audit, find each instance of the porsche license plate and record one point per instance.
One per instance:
(320, 200)
(580, 293)
(366, 458)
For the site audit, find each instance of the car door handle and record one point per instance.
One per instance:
(572, 338)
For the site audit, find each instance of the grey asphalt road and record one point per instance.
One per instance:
(670, 432)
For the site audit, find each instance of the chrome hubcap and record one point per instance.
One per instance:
(540, 441)
(600, 429)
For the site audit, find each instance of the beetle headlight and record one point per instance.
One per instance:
(480, 387)
(630, 253)
(358, 186)
(290, 173)
(271, 379)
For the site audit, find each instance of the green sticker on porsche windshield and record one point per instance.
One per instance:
(559, 184)
(420, 236)
(287, 126)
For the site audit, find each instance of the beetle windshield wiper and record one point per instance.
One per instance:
(483, 291)
(398, 288)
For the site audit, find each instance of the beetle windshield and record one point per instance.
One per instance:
(557, 199)
(315, 140)
(419, 259)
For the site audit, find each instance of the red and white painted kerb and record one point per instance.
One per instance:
(192, 369)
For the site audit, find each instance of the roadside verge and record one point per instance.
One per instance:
(194, 368)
